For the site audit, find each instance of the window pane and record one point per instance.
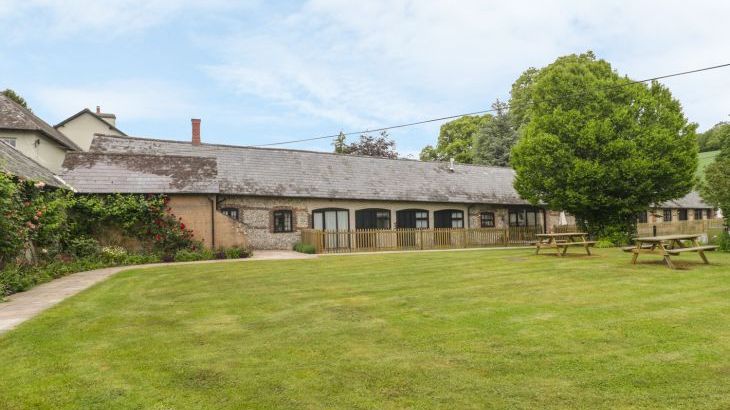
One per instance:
(330, 220)
(421, 223)
(531, 219)
(318, 220)
(343, 223)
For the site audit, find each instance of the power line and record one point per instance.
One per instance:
(410, 124)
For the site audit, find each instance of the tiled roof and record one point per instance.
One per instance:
(16, 163)
(139, 173)
(15, 117)
(280, 172)
(691, 200)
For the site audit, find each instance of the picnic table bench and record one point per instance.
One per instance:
(669, 245)
(562, 241)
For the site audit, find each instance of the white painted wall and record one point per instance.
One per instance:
(37, 146)
(81, 129)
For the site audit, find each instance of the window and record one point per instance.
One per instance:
(332, 219)
(230, 212)
(683, 215)
(411, 219)
(487, 219)
(372, 219)
(698, 214)
(525, 217)
(422, 219)
(9, 141)
(283, 221)
(449, 218)
(667, 215)
(642, 218)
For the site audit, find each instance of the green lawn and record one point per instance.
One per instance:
(470, 329)
(705, 159)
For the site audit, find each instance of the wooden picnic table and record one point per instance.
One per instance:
(669, 245)
(562, 241)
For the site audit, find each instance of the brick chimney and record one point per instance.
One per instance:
(196, 130)
(98, 109)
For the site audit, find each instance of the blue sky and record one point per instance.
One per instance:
(262, 71)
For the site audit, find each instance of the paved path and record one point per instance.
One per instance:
(22, 306)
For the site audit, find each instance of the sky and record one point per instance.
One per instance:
(259, 72)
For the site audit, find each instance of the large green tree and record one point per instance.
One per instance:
(495, 139)
(599, 146)
(456, 140)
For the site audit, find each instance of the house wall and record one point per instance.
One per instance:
(45, 151)
(256, 215)
(199, 215)
(81, 130)
(656, 215)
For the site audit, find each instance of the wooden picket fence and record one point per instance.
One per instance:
(710, 227)
(367, 240)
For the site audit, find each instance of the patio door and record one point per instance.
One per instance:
(336, 225)
(410, 219)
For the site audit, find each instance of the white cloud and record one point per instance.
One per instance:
(130, 100)
(109, 18)
(379, 62)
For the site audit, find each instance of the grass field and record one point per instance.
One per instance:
(472, 329)
(705, 159)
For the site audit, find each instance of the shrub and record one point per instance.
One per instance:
(233, 253)
(113, 254)
(723, 241)
(304, 248)
(604, 243)
(184, 255)
(83, 246)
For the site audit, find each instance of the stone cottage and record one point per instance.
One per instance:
(266, 196)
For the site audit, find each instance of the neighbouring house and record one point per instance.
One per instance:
(19, 165)
(82, 126)
(268, 195)
(689, 208)
(32, 136)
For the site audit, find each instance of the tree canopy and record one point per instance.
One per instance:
(715, 188)
(596, 145)
(456, 140)
(15, 97)
(495, 139)
(382, 146)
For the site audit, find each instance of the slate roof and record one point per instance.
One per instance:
(15, 117)
(691, 200)
(140, 173)
(128, 164)
(16, 163)
(99, 117)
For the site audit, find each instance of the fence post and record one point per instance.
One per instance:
(653, 230)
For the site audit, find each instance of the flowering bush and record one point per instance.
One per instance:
(53, 222)
(145, 217)
(113, 253)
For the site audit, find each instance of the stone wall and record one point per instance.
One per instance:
(256, 215)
